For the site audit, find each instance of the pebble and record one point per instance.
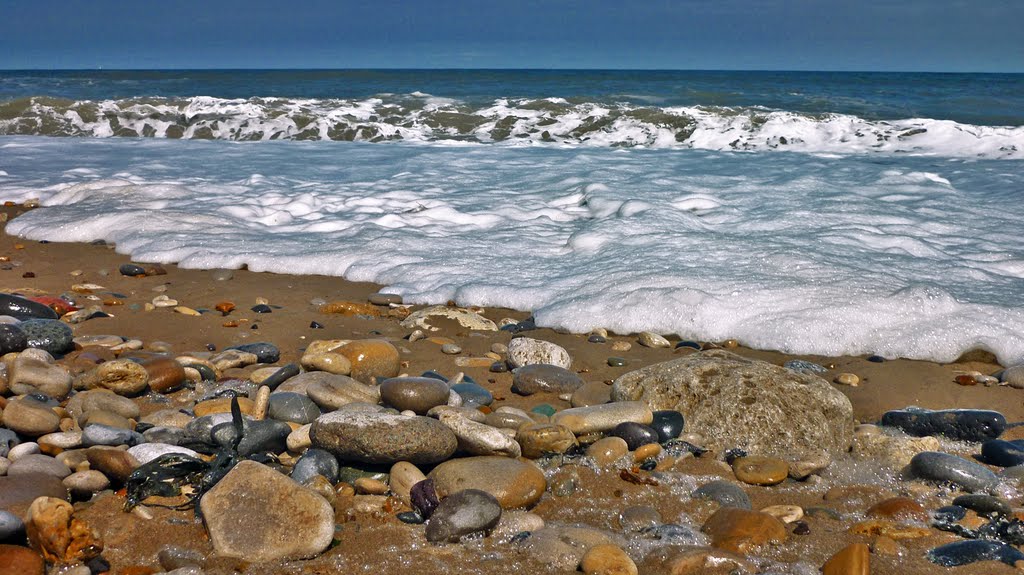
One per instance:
(383, 437)
(38, 464)
(146, 452)
(131, 270)
(668, 423)
(639, 517)
(513, 482)
(463, 513)
(279, 519)
(759, 470)
(597, 339)
(898, 508)
(473, 394)
(465, 318)
(34, 371)
(164, 375)
(961, 553)
(30, 418)
(1003, 453)
(540, 377)
(331, 391)
(10, 525)
(417, 394)
(328, 361)
(292, 407)
(112, 462)
(622, 346)
(812, 463)
(23, 308)
(742, 530)
(803, 366)
(514, 522)
(403, 476)
(451, 349)
(540, 439)
(83, 484)
(635, 434)
(785, 513)
(478, 438)
(607, 559)
(854, 559)
(943, 467)
(8, 439)
(725, 493)
(122, 376)
(962, 424)
(316, 462)
(98, 434)
(608, 450)
(12, 339)
(527, 351)
(22, 490)
(601, 418)
(265, 352)
(23, 449)
(591, 393)
(384, 299)
(371, 358)
(651, 339)
(984, 505)
(51, 335)
(689, 345)
(847, 379)
(1013, 376)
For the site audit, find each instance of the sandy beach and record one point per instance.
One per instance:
(371, 539)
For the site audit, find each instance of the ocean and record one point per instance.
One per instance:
(811, 213)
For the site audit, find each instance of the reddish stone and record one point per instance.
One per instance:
(18, 560)
(165, 374)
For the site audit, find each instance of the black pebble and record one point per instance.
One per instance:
(668, 423)
(801, 528)
(950, 514)
(98, 565)
(983, 504)
(211, 347)
(315, 325)
(876, 359)
(734, 454)
(262, 308)
(132, 270)
(499, 367)
(411, 517)
(635, 434)
(690, 344)
(1003, 453)
(12, 339)
(596, 339)
(424, 497)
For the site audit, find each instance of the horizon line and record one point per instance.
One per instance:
(501, 69)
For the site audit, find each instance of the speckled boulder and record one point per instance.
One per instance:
(50, 334)
(740, 402)
(383, 437)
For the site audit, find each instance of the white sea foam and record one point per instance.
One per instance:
(903, 256)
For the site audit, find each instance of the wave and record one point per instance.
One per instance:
(421, 117)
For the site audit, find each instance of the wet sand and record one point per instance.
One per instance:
(377, 542)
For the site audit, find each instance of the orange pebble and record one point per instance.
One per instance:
(966, 380)
(229, 324)
(224, 307)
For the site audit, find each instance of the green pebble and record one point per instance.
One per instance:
(544, 409)
(616, 361)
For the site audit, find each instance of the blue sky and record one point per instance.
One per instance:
(912, 35)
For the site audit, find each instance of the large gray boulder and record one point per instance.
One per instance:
(738, 402)
(383, 437)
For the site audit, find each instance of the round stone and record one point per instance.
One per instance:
(383, 437)
(371, 358)
(83, 484)
(472, 394)
(668, 423)
(417, 394)
(12, 339)
(758, 470)
(943, 467)
(315, 462)
(607, 559)
(85, 402)
(51, 335)
(527, 351)
(635, 434)
(30, 418)
(513, 482)
(164, 374)
(724, 493)
(10, 525)
(463, 513)
(540, 439)
(535, 378)
(607, 451)
(122, 376)
(615, 361)
(293, 407)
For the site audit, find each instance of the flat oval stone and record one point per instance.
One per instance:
(1003, 453)
(535, 378)
(383, 437)
(37, 464)
(608, 450)
(164, 374)
(417, 394)
(30, 418)
(898, 508)
(527, 351)
(146, 452)
(10, 525)
(85, 402)
(22, 308)
(98, 434)
(463, 513)
(265, 435)
(962, 424)
(293, 407)
(758, 470)
(472, 394)
(724, 493)
(51, 335)
(601, 418)
(635, 434)
(514, 483)
(478, 438)
(331, 391)
(943, 467)
(540, 439)
(983, 504)
(265, 352)
(591, 393)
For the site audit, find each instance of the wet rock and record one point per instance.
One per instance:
(803, 366)
(331, 391)
(478, 438)
(897, 451)
(260, 436)
(463, 513)
(294, 407)
(514, 483)
(635, 434)
(651, 339)
(601, 418)
(417, 394)
(984, 505)
(11, 526)
(58, 535)
(38, 464)
(946, 468)
(780, 412)
(371, 358)
(122, 376)
(638, 518)
(327, 361)
(466, 318)
(17, 492)
(383, 437)
(898, 508)
(741, 531)
(608, 450)
(724, 493)
(22, 308)
(694, 560)
(563, 547)
(961, 553)
(12, 339)
(607, 560)
(591, 393)
(265, 352)
(668, 423)
(18, 560)
(472, 394)
(854, 559)
(527, 351)
(30, 418)
(315, 462)
(112, 462)
(231, 358)
(164, 375)
(540, 377)
(51, 335)
(1003, 453)
(961, 424)
(257, 514)
(540, 439)
(34, 371)
(759, 470)
(83, 484)
(146, 452)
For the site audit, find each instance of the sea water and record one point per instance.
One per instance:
(809, 213)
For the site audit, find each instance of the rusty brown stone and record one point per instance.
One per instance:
(58, 535)
(740, 530)
(854, 559)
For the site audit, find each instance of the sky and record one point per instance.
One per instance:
(883, 35)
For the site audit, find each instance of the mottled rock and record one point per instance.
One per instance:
(265, 352)
(961, 553)
(98, 434)
(463, 513)
(51, 335)
(601, 418)
(540, 377)
(58, 535)
(12, 339)
(371, 358)
(607, 450)
(527, 351)
(724, 493)
(122, 376)
(514, 483)
(34, 371)
(257, 514)
(85, 402)
(383, 437)
(751, 404)
(478, 438)
(539, 439)
(651, 339)
(607, 559)
(464, 317)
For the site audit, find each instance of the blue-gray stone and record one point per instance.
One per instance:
(946, 468)
(949, 514)
(265, 352)
(801, 366)
(983, 504)
(961, 553)
(12, 338)
(264, 435)
(473, 394)
(99, 434)
(200, 428)
(534, 378)
(290, 406)
(51, 335)
(635, 434)
(22, 308)
(962, 424)
(434, 375)
(280, 376)
(11, 526)
(668, 423)
(675, 534)
(1003, 453)
(316, 462)
(38, 463)
(724, 493)
(168, 435)
(463, 513)
(8, 439)
(132, 270)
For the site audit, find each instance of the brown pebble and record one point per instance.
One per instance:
(759, 470)
(899, 508)
(607, 559)
(883, 545)
(645, 452)
(370, 486)
(224, 307)
(741, 530)
(853, 559)
(608, 450)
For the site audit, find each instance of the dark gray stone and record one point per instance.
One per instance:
(38, 464)
(264, 435)
(538, 377)
(724, 493)
(961, 553)
(51, 335)
(668, 423)
(635, 434)
(201, 428)
(463, 513)
(132, 270)
(983, 504)
(417, 394)
(265, 352)
(946, 468)
(12, 338)
(315, 462)
(1003, 453)
(11, 526)
(280, 376)
(22, 308)
(8, 439)
(473, 394)
(290, 406)
(802, 366)
(99, 434)
(168, 435)
(962, 424)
